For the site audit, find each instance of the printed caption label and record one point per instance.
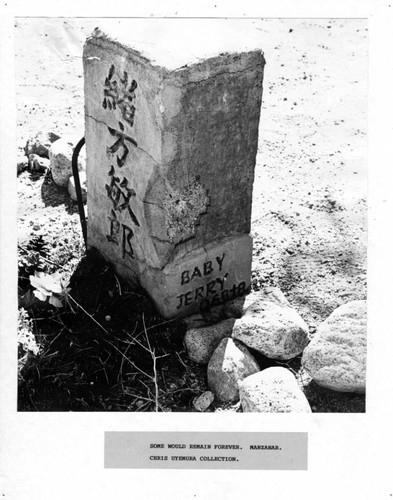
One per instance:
(206, 450)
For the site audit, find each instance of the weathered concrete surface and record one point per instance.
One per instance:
(204, 278)
(170, 166)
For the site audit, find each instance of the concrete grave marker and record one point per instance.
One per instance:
(170, 169)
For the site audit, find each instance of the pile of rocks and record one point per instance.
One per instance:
(265, 324)
(51, 152)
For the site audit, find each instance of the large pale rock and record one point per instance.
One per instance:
(230, 363)
(269, 325)
(83, 184)
(336, 356)
(60, 155)
(201, 342)
(273, 390)
(170, 166)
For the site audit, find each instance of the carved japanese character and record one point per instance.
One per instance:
(120, 144)
(120, 94)
(120, 195)
(128, 234)
(114, 228)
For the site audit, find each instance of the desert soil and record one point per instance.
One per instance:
(309, 201)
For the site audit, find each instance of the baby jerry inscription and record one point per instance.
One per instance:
(211, 293)
(205, 270)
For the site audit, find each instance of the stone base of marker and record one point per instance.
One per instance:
(170, 169)
(204, 278)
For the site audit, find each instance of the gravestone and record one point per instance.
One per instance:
(170, 169)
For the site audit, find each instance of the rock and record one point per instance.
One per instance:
(237, 308)
(336, 356)
(201, 342)
(230, 363)
(40, 144)
(71, 186)
(270, 326)
(202, 402)
(38, 164)
(60, 155)
(274, 390)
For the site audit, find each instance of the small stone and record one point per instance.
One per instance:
(273, 390)
(230, 363)
(38, 164)
(201, 342)
(336, 356)
(202, 402)
(60, 155)
(83, 184)
(40, 144)
(271, 327)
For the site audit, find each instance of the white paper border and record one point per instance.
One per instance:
(60, 455)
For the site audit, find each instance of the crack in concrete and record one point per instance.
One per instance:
(138, 147)
(152, 203)
(160, 240)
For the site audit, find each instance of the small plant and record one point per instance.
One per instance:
(49, 288)
(31, 255)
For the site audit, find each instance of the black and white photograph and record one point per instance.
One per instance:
(195, 237)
